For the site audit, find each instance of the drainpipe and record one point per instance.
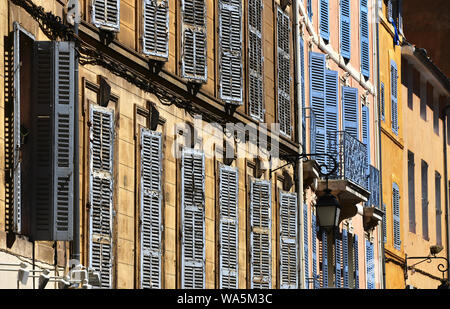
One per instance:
(446, 188)
(299, 165)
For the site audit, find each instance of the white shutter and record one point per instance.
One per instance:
(228, 238)
(230, 38)
(155, 38)
(193, 40)
(288, 241)
(284, 72)
(260, 234)
(101, 192)
(106, 14)
(193, 219)
(151, 225)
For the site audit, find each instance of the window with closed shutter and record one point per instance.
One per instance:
(425, 202)
(284, 72)
(396, 215)
(228, 237)
(314, 250)
(345, 29)
(411, 193)
(193, 219)
(53, 120)
(384, 224)
(350, 110)
(230, 62)
(394, 101)
(151, 225)
(437, 188)
(260, 235)
(364, 37)
(345, 255)
(309, 9)
(331, 114)
(255, 60)
(324, 26)
(356, 260)
(288, 241)
(370, 266)
(155, 37)
(306, 244)
(193, 40)
(382, 101)
(101, 184)
(323, 255)
(338, 260)
(106, 14)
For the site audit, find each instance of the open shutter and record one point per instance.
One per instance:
(345, 258)
(106, 14)
(284, 72)
(382, 101)
(193, 40)
(364, 36)
(101, 192)
(255, 59)
(288, 241)
(53, 140)
(324, 259)
(345, 32)
(260, 237)
(356, 260)
(155, 38)
(306, 243)
(309, 9)
(317, 99)
(396, 214)
(350, 109)
(151, 225)
(366, 139)
(230, 63)
(324, 26)
(370, 267)
(425, 202)
(314, 250)
(384, 224)
(338, 260)
(228, 238)
(331, 114)
(193, 219)
(394, 97)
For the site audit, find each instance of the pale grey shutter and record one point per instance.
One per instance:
(101, 192)
(230, 38)
(193, 219)
(288, 241)
(151, 225)
(53, 141)
(155, 38)
(284, 72)
(255, 60)
(260, 234)
(193, 40)
(228, 238)
(106, 14)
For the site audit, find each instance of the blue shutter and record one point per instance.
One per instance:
(314, 250)
(356, 260)
(324, 20)
(338, 257)
(366, 137)
(396, 214)
(364, 35)
(345, 32)
(324, 259)
(350, 109)
(370, 267)
(309, 9)
(382, 104)
(384, 224)
(317, 99)
(394, 91)
(306, 241)
(345, 257)
(331, 112)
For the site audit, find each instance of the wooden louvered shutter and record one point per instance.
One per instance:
(303, 97)
(350, 109)
(155, 38)
(106, 14)
(101, 192)
(384, 224)
(260, 237)
(394, 97)
(370, 266)
(151, 225)
(324, 27)
(306, 243)
(314, 250)
(345, 29)
(288, 241)
(317, 99)
(382, 101)
(53, 122)
(331, 114)
(338, 260)
(255, 60)
(228, 237)
(193, 40)
(284, 72)
(193, 219)
(345, 258)
(356, 260)
(366, 133)
(425, 202)
(323, 254)
(309, 9)
(396, 215)
(364, 36)
(230, 63)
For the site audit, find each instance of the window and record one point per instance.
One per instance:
(338, 262)
(228, 230)
(350, 110)
(106, 14)
(155, 38)
(423, 100)
(306, 244)
(396, 215)
(394, 97)
(366, 133)
(364, 36)
(382, 101)
(345, 29)
(411, 193)
(151, 226)
(309, 9)
(425, 234)
(370, 265)
(324, 30)
(193, 219)
(323, 259)
(288, 241)
(437, 180)
(316, 283)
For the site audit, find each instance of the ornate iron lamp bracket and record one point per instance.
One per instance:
(293, 158)
(441, 267)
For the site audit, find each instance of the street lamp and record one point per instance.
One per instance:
(328, 210)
